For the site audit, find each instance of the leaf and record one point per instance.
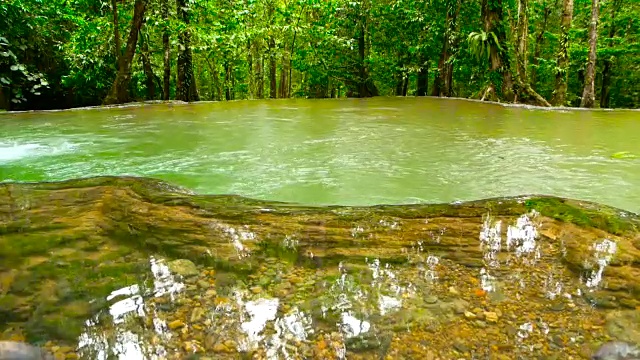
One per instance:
(623, 155)
(14, 68)
(5, 80)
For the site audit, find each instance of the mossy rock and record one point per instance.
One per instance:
(143, 217)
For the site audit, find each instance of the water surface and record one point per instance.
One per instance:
(348, 152)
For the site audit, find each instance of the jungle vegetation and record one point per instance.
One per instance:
(71, 53)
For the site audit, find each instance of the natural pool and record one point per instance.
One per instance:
(131, 268)
(338, 152)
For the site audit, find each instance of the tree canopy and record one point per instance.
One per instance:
(70, 53)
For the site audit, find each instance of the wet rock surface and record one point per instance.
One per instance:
(90, 265)
(13, 350)
(617, 350)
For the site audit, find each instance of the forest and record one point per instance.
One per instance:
(74, 53)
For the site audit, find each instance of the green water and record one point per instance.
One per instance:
(349, 152)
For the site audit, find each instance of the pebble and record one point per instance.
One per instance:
(453, 291)
(197, 314)
(469, 315)
(460, 347)
(220, 348)
(176, 324)
(481, 324)
(431, 299)
(183, 267)
(491, 317)
(230, 344)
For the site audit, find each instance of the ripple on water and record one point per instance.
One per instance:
(15, 152)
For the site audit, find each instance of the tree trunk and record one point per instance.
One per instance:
(283, 77)
(560, 91)
(273, 67)
(185, 88)
(589, 93)
(423, 80)
(5, 100)
(437, 85)
(293, 47)
(193, 87)
(213, 73)
(227, 82)
(405, 85)
(448, 81)
(116, 33)
(400, 75)
(522, 35)
(399, 84)
(120, 89)
(271, 46)
(166, 80)
(539, 43)
(498, 56)
(362, 71)
(442, 82)
(251, 72)
(605, 93)
(260, 75)
(146, 66)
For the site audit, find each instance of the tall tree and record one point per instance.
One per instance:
(589, 93)
(560, 92)
(147, 67)
(273, 87)
(492, 41)
(605, 92)
(522, 35)
(116, 32)
(442, 82)
(366, 87)
(186, 87)
(166, 54)
(546, 12)
(120, 89)
(422, 87)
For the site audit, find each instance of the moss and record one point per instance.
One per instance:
(55, 325)
(591, 215)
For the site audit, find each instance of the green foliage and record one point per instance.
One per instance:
(62, 53)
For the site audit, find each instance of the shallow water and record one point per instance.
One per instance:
(136, 269)
(348, 152)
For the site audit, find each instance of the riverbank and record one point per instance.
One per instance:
(177, 102)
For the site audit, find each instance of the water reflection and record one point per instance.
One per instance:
(603, 252)
(353, 307)
(502, 281)
(105, 337)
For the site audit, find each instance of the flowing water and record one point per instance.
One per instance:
(129, 269)
(348, 152)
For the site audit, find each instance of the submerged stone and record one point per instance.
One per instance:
(492, 264)
(13, 350)
(617, 350)
(183, 267)
(624, 325)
